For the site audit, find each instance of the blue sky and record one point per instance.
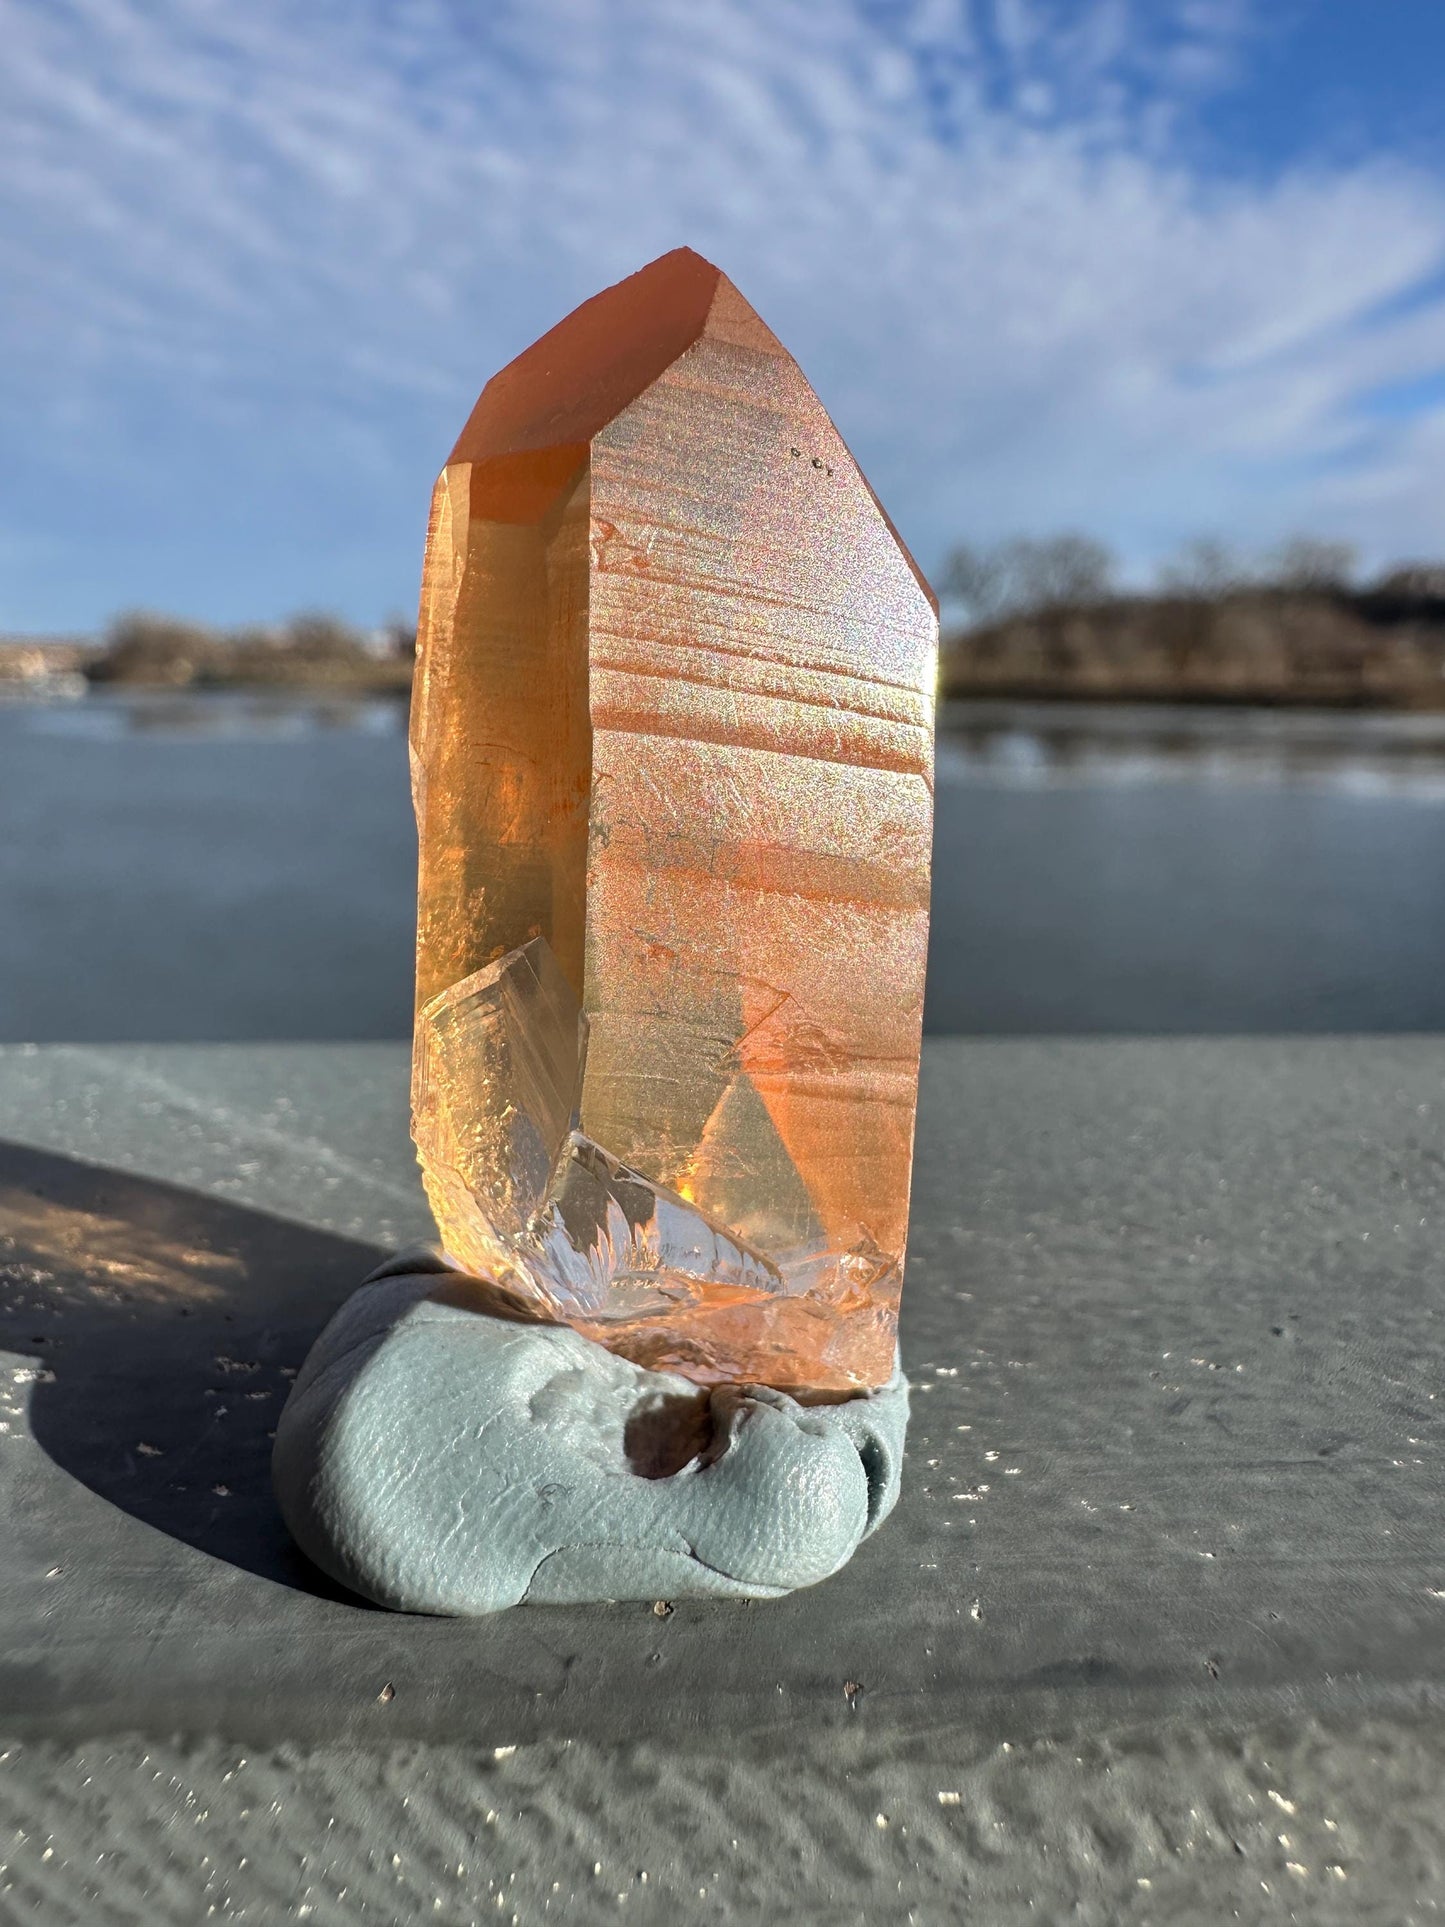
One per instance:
(1148, 268)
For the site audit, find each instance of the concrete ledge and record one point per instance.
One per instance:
(1174, 1498)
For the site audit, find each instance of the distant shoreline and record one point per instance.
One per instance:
(1377, 649)
(1262, 648)
(311, 653)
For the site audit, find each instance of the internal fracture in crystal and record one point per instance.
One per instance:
(672, 764)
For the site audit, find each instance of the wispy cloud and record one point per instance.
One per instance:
(260, 258)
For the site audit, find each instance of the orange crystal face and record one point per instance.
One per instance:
(672, 753)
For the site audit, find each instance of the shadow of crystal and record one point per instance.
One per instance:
(162, 1330)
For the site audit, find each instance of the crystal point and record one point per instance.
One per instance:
(672, 763)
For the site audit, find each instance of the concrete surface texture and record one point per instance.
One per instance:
(1157, 1631)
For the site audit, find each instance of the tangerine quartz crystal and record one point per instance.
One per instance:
(672, 753)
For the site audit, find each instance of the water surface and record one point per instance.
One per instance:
(181, 866)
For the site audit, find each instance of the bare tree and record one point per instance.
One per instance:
(1205, 567)
(146, 648)
(1418, 581)
(1312, 562)
(1026, 574)
(973, 577)
(1061, 571)
(318, 636)
(400, 634)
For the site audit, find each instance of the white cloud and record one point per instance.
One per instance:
(300, 233)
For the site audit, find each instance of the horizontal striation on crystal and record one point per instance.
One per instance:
(672, 753)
